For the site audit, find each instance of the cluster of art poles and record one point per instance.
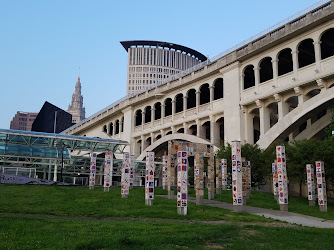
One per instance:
(280, 182)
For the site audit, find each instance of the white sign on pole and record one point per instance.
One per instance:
(108, 162)
(92, 170)
(282, 175)
(132, 171)
(310, 182)
(224, 173)
(236, 173)
(275, 182)
(164, 172)
(321, 183)
(182, 182)
(125, 182)
(149, 182)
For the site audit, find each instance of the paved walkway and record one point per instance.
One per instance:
(299, 219)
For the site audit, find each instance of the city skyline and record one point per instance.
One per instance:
(46, 43)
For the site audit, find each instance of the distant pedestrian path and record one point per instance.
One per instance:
(294, 218)
(300, 219)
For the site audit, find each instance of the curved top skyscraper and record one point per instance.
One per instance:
(150, 62)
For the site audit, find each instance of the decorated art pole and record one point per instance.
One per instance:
(244, 182)
(224, 174)
(321, 184)
(164, 172)
(171, 168)
(125, 181)
(149, 180)
(132, 170)
(218, 175)
(92, 170)
(275, 181)
(310, 184)
(199, 177)
(211, 172)
(249, 179)
(236, 176)
(182, 182)
(282, 178)
(108, 163)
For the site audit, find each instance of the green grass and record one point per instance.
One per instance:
(29, 233)
(80, 201)
(54, 217)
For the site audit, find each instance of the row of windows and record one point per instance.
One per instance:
(149, 75)
(146, 69)
(191, 102)
(161, 57)
(305, 56)
(119, 127)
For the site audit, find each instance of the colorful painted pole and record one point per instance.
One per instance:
(244, 182)
(182, 182)
(321, 184)
(172, 149)
(236, 176)
(249, 178)
(164, 172)
(125, 181)
(218, 175)
(282, 178)
(108, 163)
(224, 174)
(199, 177)
(132, 170)
(211, 171)
(92, 170)
(275, 181)
(310, 184)
(149, 180)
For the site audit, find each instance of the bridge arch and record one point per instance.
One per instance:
(284, 61)
(148, 112)
(178, 103)
(266, 69)
(157, 111)
(191, 98)
(117, 127)
(218, 85)
(204, 93)
(327, 43)
(248, 76)
(138, 117)
(297, 117)
(306, 53)
(168, 107)
(179, 136)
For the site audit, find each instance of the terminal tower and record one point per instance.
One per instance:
(76, 108)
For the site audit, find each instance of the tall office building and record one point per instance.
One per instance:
(23, 121)
(150, 62)
(76, 108)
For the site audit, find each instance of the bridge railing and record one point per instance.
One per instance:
(158, 83)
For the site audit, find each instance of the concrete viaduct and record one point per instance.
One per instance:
(276, 87)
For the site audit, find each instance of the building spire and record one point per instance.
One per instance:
(76, 108)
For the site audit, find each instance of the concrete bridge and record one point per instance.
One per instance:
(276, 87)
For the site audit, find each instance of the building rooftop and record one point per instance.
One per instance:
(196, 54)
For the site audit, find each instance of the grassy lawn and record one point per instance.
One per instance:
(51, 217)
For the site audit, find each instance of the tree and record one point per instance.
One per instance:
(300, 153)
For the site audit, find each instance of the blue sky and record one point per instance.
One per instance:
(43, 43)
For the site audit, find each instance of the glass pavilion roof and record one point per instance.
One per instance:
(37, 144)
